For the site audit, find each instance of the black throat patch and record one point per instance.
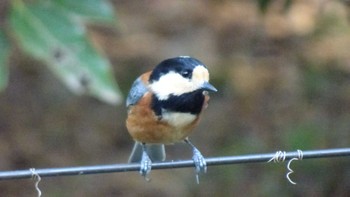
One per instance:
(191, 102)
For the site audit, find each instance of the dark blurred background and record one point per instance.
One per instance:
(283, 75)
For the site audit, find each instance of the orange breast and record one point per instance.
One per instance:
(144, 126)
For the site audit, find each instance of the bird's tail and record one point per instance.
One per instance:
(155, 151)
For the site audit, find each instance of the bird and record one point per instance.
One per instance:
(164, 105)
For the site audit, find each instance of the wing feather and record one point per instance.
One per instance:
(138, 89)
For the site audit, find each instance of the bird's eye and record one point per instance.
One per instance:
(185, 73)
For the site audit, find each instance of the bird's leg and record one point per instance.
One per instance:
(198, 159)
(146, 163)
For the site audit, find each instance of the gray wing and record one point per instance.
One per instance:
(138, 89)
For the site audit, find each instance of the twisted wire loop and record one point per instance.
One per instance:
(290, 171)
(280, 156)
(37, 179)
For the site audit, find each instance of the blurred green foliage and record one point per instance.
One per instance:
(264, 4)
(95, 11)
(305, 136)
(4, 54)
(54, 32)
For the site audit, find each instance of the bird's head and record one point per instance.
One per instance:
(179, 75)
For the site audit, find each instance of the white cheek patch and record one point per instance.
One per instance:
(173, 83)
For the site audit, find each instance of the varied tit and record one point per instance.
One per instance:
(164, 106)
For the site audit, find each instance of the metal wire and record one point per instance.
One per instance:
(98, 169)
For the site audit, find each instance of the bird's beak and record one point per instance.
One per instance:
(207, 86)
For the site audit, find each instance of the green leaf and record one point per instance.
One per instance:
(89, 10)
(49, 34)
(4, 54)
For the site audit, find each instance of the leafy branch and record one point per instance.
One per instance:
(54, 32)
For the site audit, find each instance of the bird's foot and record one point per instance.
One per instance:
(146, 166)
(199, 161)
